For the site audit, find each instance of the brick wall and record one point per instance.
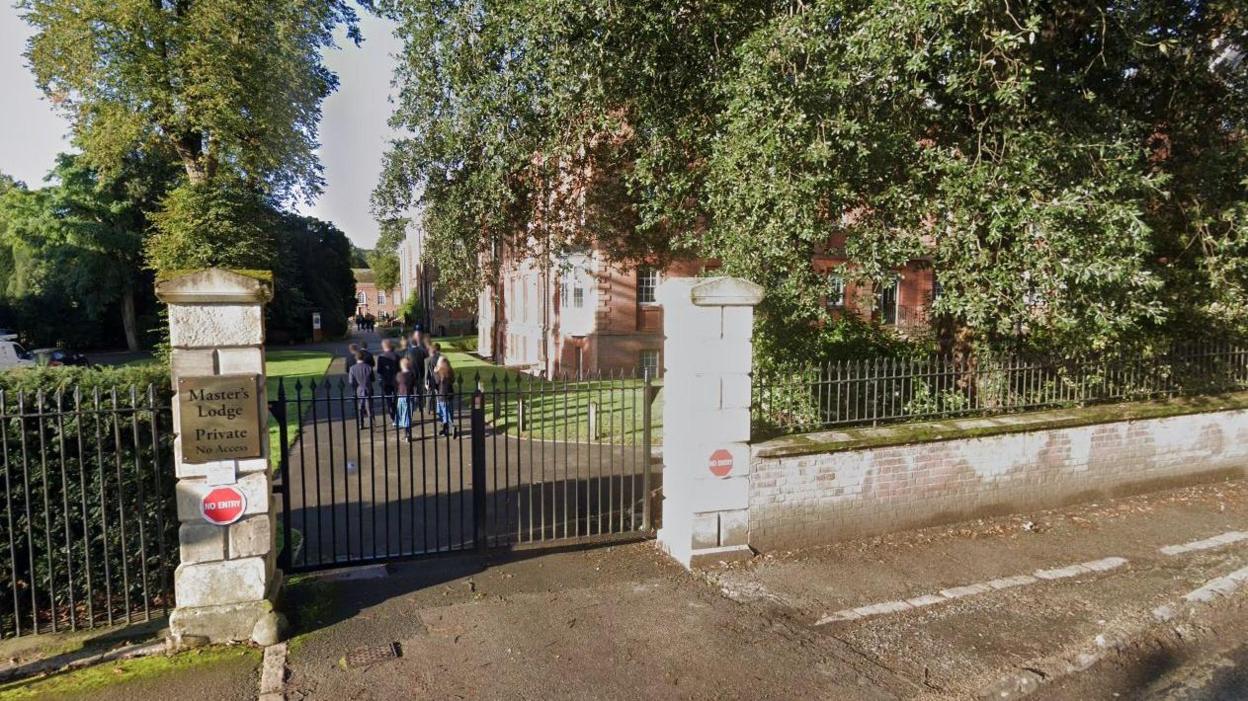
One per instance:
(802, 500)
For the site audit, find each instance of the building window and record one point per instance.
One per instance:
(836, 291)
(647, 284)
(649, 363)
(381, 296)
(886, 301)
(578, 296)
(362, 297)
(563, 292)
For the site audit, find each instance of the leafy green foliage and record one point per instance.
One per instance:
(412, 308)
(385, 267)
(67, 504)
(312, 273)
(73, 251)
(213, 223)
(1076, 175)
(231, 89)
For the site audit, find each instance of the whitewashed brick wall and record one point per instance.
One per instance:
(803, 500)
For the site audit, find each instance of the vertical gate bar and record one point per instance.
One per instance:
(8, 512)
(457, 435)
(316, 462)
(30, 530)
(121, 502)
(286, 557)
(544, 391)
(595, 444)
(47, 508)
(82, 493)
(562, 397)
(437, 483)
(645, 453)
(372, 482)
(303, 476)
(477, 429)
(618, 492)
(99, 464)
(346, 474)
(398, 475)
(507, 428)
(633, 441)
(69, 545)
(160, 500)
(411, 472)
(385, 467)
(571, 470)
(425, 525)
(599, 447)
(497, 528)
(138, 478)
(527, 425)
(585, 450)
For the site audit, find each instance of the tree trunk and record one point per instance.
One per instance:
(129, 319)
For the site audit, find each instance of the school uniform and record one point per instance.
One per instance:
(362, 375)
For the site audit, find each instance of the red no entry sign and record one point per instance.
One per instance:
(720, 463)
(223, 506)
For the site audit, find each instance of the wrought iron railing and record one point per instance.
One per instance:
(88, 533)
(883, 390)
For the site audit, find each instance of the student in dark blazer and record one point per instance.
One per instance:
(362, 376)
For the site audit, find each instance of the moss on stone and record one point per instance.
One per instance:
(83, 682)
(265, 276)
(979, 427)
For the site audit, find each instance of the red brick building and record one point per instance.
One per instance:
(369, 299)
(582, 313)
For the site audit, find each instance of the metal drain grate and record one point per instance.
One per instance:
(368, 656)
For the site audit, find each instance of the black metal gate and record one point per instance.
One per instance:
(502, 462)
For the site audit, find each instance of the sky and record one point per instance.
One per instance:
(353, 131)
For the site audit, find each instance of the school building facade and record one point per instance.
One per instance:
(419, 277)
(369, 299)
(581, 313)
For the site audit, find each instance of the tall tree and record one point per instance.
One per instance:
(232, 87)
(78, 243)
(1077, 173)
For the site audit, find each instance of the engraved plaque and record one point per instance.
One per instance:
(220, 417)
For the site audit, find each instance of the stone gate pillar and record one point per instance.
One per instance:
(708, 324)
(227, 580)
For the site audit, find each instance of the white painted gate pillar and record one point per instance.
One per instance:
(227, 580)
(708, 324)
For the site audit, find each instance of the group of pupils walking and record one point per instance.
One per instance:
(410, 373)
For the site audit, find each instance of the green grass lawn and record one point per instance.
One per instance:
(559, 410)
(291, 367)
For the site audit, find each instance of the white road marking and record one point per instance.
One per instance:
(885, 607)
(1214, 588)
(1208, 543)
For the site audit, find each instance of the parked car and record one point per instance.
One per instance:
(12, 355)
(56, 357)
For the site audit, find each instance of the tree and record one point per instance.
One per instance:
(76, 245)
(233, 88)
(316, 276)
(384, 258)
(1076, 174)
(541, 127)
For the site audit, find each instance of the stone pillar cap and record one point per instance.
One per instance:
(215, 285)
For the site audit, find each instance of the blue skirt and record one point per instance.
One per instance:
(403, 412)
